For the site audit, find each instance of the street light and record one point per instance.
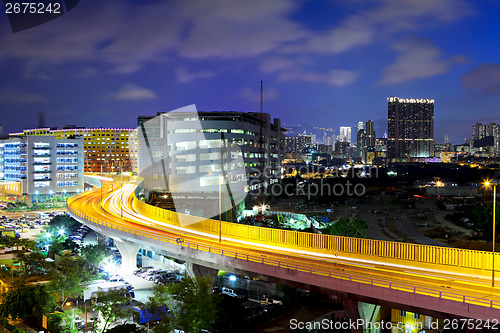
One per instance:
(494, 183)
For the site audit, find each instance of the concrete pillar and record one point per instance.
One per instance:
(129, 251)
(351, 310)
(370, 313)
(194, 270)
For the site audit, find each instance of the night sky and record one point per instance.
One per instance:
(323, 63)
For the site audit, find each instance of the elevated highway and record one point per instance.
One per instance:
(445, 280)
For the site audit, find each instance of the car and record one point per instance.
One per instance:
(148, 272)
(153, 275)
(237, 293)
(142, 269)
(167, 276)
(269, 301)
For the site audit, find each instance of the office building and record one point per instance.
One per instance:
(183, 152)
(294, 144)
(369, 134)
(486, 139)
(345, 134)
(106, 149)
(411, 128)
(44, 166)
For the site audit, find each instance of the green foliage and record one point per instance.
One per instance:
(67, 275)
(32, 263)
(194, 305)
(93, 254)
(8, 241)
(111, 305)
(482, 218)
(127, 328)
(62, 222)
(26, 302)
(349, 227)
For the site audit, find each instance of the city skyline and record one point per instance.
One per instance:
(117, 60)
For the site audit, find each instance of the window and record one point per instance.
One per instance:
(403, 313)
(41, 145)
(417, 316)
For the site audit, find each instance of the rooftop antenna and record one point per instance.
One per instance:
(41, 120)
(261, 142)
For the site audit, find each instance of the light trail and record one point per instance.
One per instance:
(116, 207)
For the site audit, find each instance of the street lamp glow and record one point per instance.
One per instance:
(232, 278)
(60, 232)
(487, 183)
(47, 235)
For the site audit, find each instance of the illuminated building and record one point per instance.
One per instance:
(410, 127)
(294, 144)
(345, 134)
(190, 145)
(45, 166)
(106, 149)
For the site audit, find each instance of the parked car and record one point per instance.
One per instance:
(237, 293)
(268, 301)
(142, 269)
(153, 275)
(148, 272)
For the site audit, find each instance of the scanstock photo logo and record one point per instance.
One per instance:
(24, 14)
(194, 169)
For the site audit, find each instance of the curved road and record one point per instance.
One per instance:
(114, 204)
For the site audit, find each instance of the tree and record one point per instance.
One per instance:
(482, 218)
(111, 304)
(93, 254)
(126, 328)
(9, 241)
(32, 263)
(192, 301)
(67, 275)
(27, 302)
(349, 227)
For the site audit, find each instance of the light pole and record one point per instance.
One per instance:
(220, 210)
(494, 184)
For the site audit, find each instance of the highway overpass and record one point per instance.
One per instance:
(435, 279)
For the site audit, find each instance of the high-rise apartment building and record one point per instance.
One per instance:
(410, 127)
(487, 135)
(370, 134)
(294, 144)
(106, 149)
(345, 134)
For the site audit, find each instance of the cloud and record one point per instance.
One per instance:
(131, 92)
(126, 36)
(251, 95)
(13, 95)
(336, 77)
(418, 58)
(183, 75)
(483, 80)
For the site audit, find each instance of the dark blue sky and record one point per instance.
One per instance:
(323, 63)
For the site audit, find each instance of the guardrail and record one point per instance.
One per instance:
(427, 256)
(301, 268)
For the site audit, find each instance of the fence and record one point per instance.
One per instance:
(468, 261)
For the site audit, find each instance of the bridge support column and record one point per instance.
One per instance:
(194, 270)
(370, 313)
(352, 311)
(129, 251)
